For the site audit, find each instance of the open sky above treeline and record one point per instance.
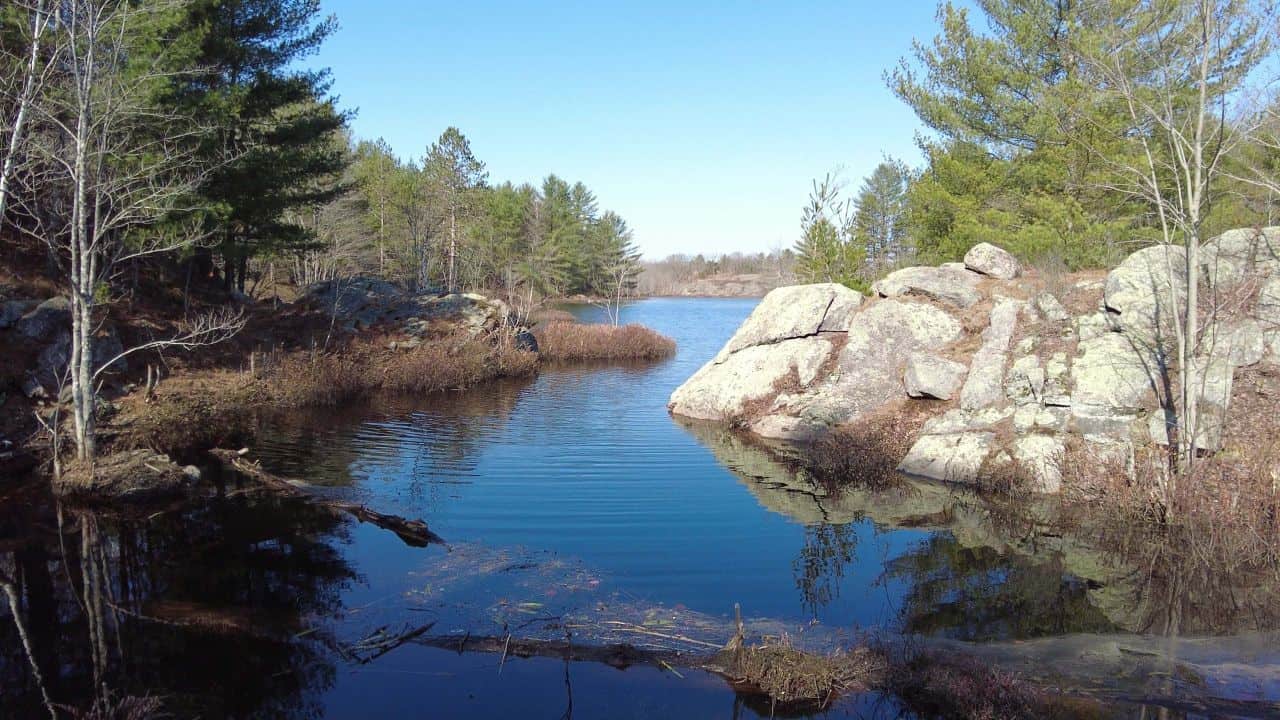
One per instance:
(702, 123)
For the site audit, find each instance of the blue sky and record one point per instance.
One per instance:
(701, 123)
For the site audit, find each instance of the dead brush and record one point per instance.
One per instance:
(366, 367)
(797, 681)
(560, 341)
(866, 452)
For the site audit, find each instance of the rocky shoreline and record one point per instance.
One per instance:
(1006, 367)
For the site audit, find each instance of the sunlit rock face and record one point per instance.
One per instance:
(1011, 369)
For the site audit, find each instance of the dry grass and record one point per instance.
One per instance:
(798, 681)
(209, 409)
(546, 316)
(366, 367)
(865, 453)
(572, 342)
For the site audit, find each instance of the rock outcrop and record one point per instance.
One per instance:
(359, 303)
(1035, 379)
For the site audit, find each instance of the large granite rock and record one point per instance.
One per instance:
(1236, 255)
(794, 312)
(46, 320)
(1147, 290)
(790, 331)
(869, 369)
(1097, 377)
(934, 377)
(1040, 457)
(990, 260)
(953, 287)
(1114, 372)
(722, 389)
(955, 457)
(11, 311)
(984, 386)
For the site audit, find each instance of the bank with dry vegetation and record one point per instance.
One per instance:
(560, 341)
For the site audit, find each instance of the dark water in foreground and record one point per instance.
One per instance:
(574, 507)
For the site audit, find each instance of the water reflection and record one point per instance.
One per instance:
(220, 609)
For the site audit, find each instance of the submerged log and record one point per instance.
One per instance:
(413, 532)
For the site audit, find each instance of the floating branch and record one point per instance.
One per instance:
(413, 532)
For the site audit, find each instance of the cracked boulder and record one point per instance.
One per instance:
(784, 341)
(1146, 290)
(794, 312)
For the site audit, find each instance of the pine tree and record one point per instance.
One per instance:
(879, 221)
(827, 251)
(454, 174)
(273, 122)
(1015, 155)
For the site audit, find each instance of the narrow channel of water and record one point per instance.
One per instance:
(574, 507)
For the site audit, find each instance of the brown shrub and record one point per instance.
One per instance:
(367, 367)
(797, 681)
(866, 453)
(551, 315)
(217, 408)
(563, 341)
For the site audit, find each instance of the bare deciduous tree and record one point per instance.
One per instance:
(24, 89)
(124, 163)
(1176, 70)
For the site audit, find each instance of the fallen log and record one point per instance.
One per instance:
(413, 532)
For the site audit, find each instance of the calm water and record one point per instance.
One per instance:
(574, 507)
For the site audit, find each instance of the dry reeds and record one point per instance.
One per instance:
(573, 342)
(796, 680)
(366, 367)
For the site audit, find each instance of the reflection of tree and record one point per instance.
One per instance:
(977, 593)
(819, 568)
(205, 608)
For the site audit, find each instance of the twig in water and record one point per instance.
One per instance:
(503, 661)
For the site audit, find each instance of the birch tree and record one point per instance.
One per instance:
(1175, 70)
(31, 71)
(124, 162)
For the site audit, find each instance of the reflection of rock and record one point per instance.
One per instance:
(779, 486)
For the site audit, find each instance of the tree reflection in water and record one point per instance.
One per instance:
(819, 568)
(220, 609)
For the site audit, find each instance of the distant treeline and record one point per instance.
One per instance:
(675, 273)
(437, 222)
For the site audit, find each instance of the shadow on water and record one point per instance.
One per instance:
(219, 608)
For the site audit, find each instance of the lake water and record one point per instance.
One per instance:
(574, 507)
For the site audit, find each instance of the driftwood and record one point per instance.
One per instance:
(617, 655)
(413, 532)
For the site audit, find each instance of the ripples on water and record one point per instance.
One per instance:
(570, 495)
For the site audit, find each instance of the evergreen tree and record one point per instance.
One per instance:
(273, 123)
(879, 221)
(827, 250)
(454, 174)
(1018, 147)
